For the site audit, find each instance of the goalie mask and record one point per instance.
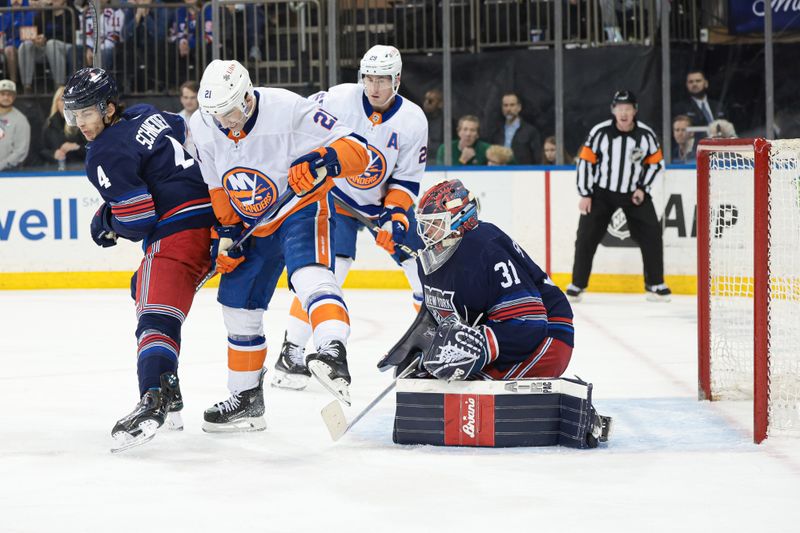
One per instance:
(444, 214)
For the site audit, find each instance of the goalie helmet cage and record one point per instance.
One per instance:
(748, 275)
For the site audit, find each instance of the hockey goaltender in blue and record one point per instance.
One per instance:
(490, 343)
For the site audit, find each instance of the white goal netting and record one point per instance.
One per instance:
(732, 215)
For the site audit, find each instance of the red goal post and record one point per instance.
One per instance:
(748, 277)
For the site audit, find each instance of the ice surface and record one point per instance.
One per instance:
(67, 373)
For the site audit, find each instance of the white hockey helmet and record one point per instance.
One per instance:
(224, 87)
(382, 60)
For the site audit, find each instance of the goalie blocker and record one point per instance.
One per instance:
(498, 414)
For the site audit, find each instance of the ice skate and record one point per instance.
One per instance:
(243, 411)
(329, 366)
(574, 293)
(141, 425)
(174, 420)
(290, 370)
(658, 293)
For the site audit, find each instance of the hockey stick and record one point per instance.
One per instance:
(370, 225)
(333, 415)
(282, 200)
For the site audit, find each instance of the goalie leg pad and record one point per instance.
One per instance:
(498, 414)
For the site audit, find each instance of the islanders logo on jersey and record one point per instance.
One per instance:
(439, 302)
(374, 174)
(251, 191)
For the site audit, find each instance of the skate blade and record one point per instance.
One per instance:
(282, 380)
(574, 299)
(657, 298)
(243, 425)
(174, 421)
(335, 421)
(126, 441)
(338, 386)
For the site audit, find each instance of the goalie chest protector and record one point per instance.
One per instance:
(494, 414)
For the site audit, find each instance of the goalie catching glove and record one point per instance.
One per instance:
(226, 257)
(459, 351)
(414, 343)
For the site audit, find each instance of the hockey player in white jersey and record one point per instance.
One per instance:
(253, 145)
(397, 132)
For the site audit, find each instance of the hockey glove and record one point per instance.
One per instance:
(308, 172)
(413, 343)
(459, 351)
(103, 233)
(222, 251)
(393, 224)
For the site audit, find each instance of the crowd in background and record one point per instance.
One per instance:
(509, 141)
(46, 36)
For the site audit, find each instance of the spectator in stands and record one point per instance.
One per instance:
(721, 129)
(241, 25)
(700, 109)
(12, 28)
(523, 138)
(432, 105)
(467, 149)
(54, 37)
(146, 44)
(189, 104)
(15, 131)
(683, 147)
(62, 144)
(113, 29)
(188, 99)
(787, 123)
(549, 151)
(187, 39)
(497, 155)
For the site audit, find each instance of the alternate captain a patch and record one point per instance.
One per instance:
(439, 302)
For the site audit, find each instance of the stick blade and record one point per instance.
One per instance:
(335, 421)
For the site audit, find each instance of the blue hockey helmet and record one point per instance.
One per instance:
(89, 87)
(444, 213)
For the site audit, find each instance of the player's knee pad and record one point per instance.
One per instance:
(243, 321)
(343, 265)
(165, 324)
(312, 282)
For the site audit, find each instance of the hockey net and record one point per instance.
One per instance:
(749, 278)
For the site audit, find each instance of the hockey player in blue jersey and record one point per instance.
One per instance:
(153, 192)
(489, 311)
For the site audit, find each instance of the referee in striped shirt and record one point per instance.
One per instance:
(616, 168)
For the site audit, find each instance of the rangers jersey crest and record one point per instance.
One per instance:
(439, 302)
